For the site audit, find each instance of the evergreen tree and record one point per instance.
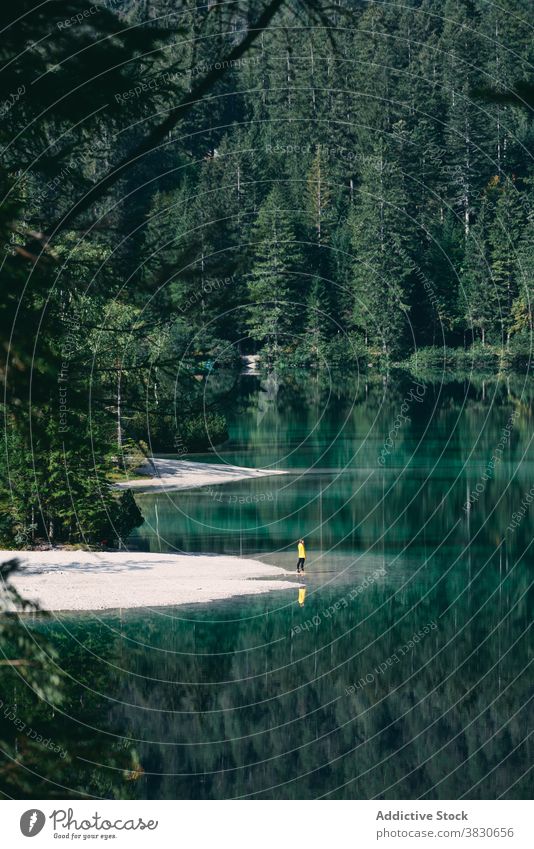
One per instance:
(467, 127)
(504, 237)
(382, 264)
(478, 296)
(315, 339)
(523, 307)
(273, 315)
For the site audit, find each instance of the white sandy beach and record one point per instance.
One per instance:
(184, 474)
(84, 580)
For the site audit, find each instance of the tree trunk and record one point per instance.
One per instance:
(119, 428)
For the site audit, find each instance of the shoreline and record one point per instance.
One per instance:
(60, 580)
(161, 474)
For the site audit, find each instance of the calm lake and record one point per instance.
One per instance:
(405, 671)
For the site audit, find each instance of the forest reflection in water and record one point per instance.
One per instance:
(402, 673)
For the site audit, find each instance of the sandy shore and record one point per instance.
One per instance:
(184, 474)
(84, 580)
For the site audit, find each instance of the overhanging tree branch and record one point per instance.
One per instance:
(157, 135)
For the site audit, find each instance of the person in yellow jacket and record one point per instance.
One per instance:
(302, 557)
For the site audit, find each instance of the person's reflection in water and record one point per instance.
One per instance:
(302, 596)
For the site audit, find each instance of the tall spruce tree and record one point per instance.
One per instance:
(382, 263)
(504, 237)
(478, 297)
(523, 307)
(273, 315)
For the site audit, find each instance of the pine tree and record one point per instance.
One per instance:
(504, 237)
(507, 47)
(467, 127)
(316, 323)
(436, 286)
(523, 307)
(478, 296)
(382, 263)
(272, 315)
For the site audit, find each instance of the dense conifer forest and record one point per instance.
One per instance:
(341, 189)
(341, 186)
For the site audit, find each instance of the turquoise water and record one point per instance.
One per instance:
(404, 674)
